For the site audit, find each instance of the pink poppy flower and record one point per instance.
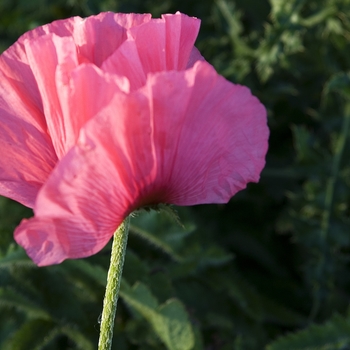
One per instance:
(105, 115)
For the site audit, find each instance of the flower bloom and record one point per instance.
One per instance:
(103, 115)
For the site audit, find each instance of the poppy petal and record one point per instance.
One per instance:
(86, 83)
(173, 38)
(186, 138)
(27, 154)
(97, 37)
(53, 50)
(126, 62)
(94, 187)
(210, 136)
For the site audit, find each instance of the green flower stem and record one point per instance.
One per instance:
(113, 285)
(328, 203)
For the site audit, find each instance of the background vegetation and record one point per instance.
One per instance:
(270, 270)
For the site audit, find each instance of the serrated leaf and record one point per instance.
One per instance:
(303, 144)
(169, 320)
(78, 338)
(318, 17)
(26, 337)
(17, 257)
(214, 256)
(139, 295)
(339, 83)
(333, 335)
(174, 326)
(281, 314)
(95, 272)
(11, 298)
(161, 232)
(155, 241)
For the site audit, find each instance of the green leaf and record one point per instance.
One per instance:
(339, 83)
(155, 241)
(333, 335)
(304, 145)
(11, 298)
(169, 320)
(318, 17)
(78, 338)
(95, 272)
(17, 257)
(162, 231)
(27, 336)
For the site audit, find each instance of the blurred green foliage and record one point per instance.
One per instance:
(268, 270)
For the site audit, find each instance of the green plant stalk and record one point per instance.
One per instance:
(335, 170)
(328, 203)
(114, 278)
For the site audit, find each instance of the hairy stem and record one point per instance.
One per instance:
(113, 285)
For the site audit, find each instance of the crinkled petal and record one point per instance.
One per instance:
(181, 33)
(71, 93)
(165, 44)
(129, 20)
(171, 48)
(195, 56)
(94, 187)
(82, 94)
(187, 137)
(99, 36)
(44, 55)
(61, 27)
(27, 154)
(17, 79)
(210, 141)
(126, 61)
